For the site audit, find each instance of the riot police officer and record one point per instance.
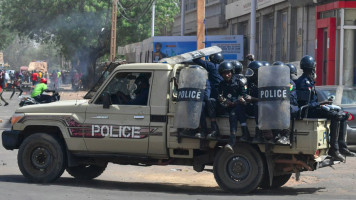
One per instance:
(242, 81)
(231, 95)
(252, 98)
(212, 66)
(293, 72)
(307, 96)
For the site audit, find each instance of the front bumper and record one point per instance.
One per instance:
(11, 139)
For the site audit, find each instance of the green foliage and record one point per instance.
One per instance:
(135, 27)
(81, 29)
(74, 26)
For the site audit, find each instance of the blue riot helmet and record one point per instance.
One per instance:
(293, 71)
(278, 63)
(292, 68)
(307, 62)
(216, 58)
(226, 66)
(253, 66)
(265, 63)
(238, 67)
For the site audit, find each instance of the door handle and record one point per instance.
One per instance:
(139, 117)
(100, 117)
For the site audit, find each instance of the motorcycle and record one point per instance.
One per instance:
(27, 100)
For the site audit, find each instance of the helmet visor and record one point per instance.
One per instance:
(249, 72)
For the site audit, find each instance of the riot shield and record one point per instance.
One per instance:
(191, 55)
(273, 97)
(191, 85)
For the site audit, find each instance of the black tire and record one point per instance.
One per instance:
(41, 158)
(86, 172)
(277, 182)
(239, 172)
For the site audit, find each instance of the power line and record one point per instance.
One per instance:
(125, 9)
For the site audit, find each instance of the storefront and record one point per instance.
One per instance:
(335, 46)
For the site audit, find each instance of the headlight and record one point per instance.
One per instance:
(16, 117)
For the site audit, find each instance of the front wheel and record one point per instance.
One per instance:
(239, 172)
(41, 158)
(86, 172)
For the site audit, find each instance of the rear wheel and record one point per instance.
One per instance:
(41, 158)
(86, 172)
(277, 182)
(239, 172)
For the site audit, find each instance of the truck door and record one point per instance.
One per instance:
(124, 126)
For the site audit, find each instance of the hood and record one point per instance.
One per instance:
(69, 106)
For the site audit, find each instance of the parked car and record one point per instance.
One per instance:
(344, 97)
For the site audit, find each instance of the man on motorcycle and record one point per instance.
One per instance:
(39, 89)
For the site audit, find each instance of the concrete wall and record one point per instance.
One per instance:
(215, 19)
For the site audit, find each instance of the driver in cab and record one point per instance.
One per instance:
(141, 93)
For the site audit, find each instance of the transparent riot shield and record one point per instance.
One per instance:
(191, 85)
(273, 97)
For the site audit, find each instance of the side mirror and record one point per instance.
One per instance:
(106, 99)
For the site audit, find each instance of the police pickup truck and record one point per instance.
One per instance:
(130, 118)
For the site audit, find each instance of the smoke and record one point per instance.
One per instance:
(79, 36)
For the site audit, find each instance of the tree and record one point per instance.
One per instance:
(136, 19)
(76, 27)
(81, 29)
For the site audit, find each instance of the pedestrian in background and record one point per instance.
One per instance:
(16, 84)
(34, 78)
(2, 86)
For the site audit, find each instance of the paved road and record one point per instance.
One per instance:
(163, 182)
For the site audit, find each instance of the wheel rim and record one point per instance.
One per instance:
(41, 158)
(238, 168)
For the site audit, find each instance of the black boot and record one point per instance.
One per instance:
(342, 139)
(214, 134)
(258, 137)
(245, 134)
(347, 152)
(201, 133)
(334, 146)
(230, 146)
(186, 132)
(284, 139)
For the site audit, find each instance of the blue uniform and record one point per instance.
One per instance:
(141, 98)
(252, 108)
(231, 90)
(306, 92)
(294, 109)
(213, 75)
(207, 91)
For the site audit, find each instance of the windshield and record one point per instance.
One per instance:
(348, 95)
(101, 80)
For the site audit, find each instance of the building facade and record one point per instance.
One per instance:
(286, 30)
(214, 18)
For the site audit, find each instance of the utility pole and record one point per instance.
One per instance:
(153, 19)
(200, 24)
(113, 31)
(182, 18)
(253, 27)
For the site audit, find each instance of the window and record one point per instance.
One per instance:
(282, 42)
(267, 38)
(128, 88)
